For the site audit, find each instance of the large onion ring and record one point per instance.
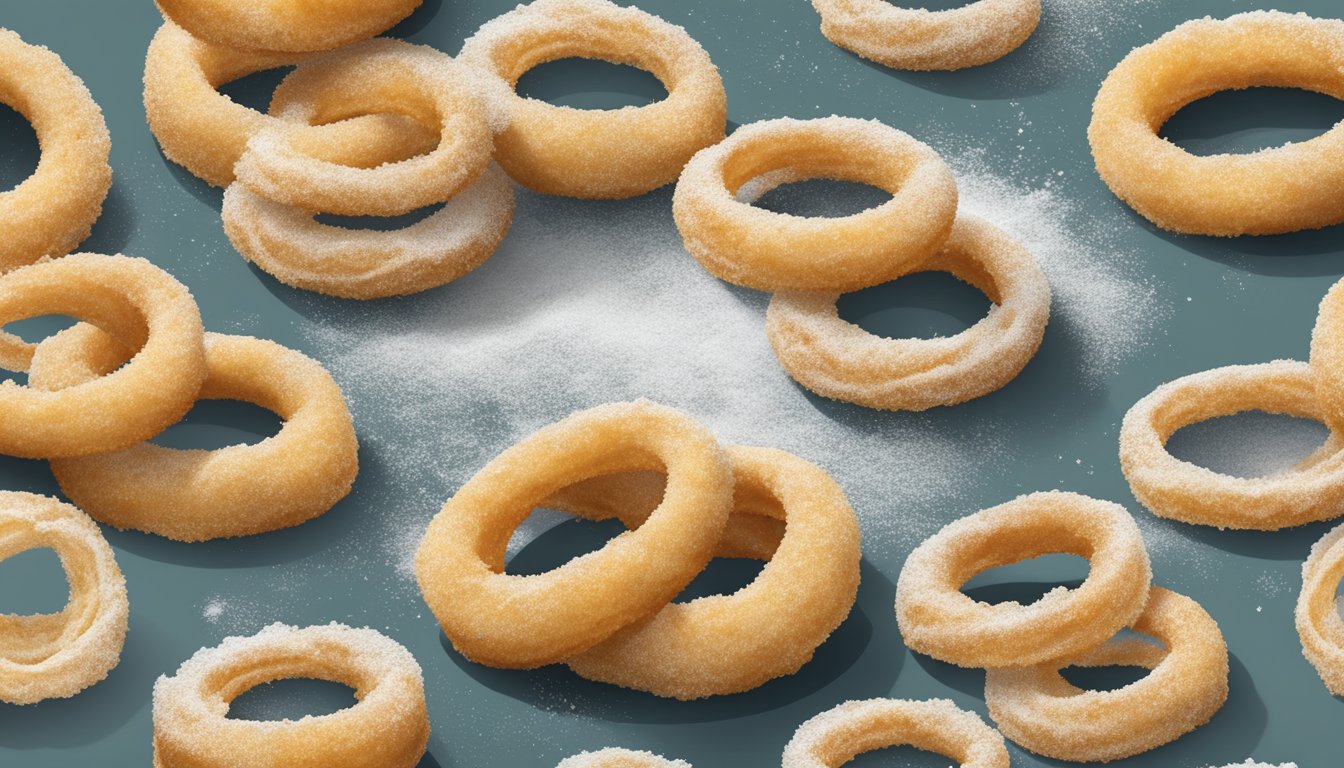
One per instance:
(920, 39)
(195, 495)
(528, 621)
(730, 643)
(286, 25)
(56, 655)
(51, 211)
(937, 619)
(206, 132)
(740, 243)
(1039, 710)
(1327, 356)
(387, 727)
(840, 360)
(613, 757)
(1319, 625)
(1179, 490)
(1288, 188)
(140, 305)
(598, 153)
(288, 163)
(838, 735)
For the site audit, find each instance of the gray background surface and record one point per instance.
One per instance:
(1214, 302)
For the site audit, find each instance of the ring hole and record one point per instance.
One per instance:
(33, 582)
(214, 424)
(1249, 444)
(254, 91)
(33, 330)
(818, 198)
(544, 545)
(21, 151)
(590, 84)
(1103, 678)
(723, 576)
(898, 757)
(924, 305)
(292, 699)
(1028, 581)
(1252, 119)
(379, 223)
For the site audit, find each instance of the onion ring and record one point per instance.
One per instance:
(54, 209)
(1038, 709)
(922, 40)
(286, 25)
(527, 621)
(1327, 357)
(388, 727)
(598, 153)
(620, 758)
(194, 495)
(838, 735)
(1179, 490)
(938, 620)
(205, 131)
(57, 655)
(837, 359)
(761, 249)
(1317, 615)
(137, 303)
(1285, 189)
(289, 164)
(731, 643)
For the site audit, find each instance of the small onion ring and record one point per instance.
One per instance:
(922, 40)
(838, 735)
(57, 655)
(1284, 189)
(388, 727)
(1327, 357)
(740, 243)
(288, 163)
(598, 153)
(1319, 625)
(504, 620)
(206, 132)
(1039, 710)
(195, 495)
(938, 620)
(613, 757)
(286, 25)
(1179, 490)
(139, 304)
(54, 209)
(837, 359)
(731, 643)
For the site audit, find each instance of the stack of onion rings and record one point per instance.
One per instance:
(286, 25)
(613, 624)
(57, 655)
(838, 735)
(590, 153)
(1284, 189)
(388, 727)
(920, 39)
(54, 209)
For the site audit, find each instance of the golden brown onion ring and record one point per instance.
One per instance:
(919, 39)
(286, 25)
(838, 735)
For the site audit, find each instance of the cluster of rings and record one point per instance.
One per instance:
(806, 261)
(1023, 647)
(608, 614)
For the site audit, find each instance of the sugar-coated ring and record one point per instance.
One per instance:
(740, 243)
(527, 621)
(1283, 189)
(289, 164)
(387, 727)
(140, 305)
(838, 359)
(598, 153)
(726, 644)
(286, 25)
(613, 757)
(57, 655)
(195, 495)
(938, 620)
(205, 131)
(920, 39)
(1319, 625)
(842, 733)
(1036, 708)
(1327, 357)
(1179, 490)
(54, 209)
